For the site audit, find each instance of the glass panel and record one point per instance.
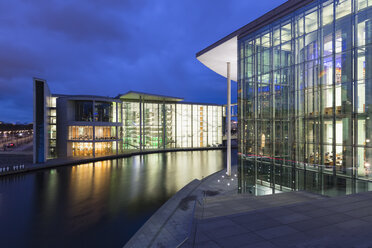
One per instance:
(327, 73)
(286, 33)
(152, 126)
(327, 14)
(83, 111)
(300, 29)
(327, 41)
(82, 149)
(276, 36)
(131, 125)
(105, 133)
(170, 126)
(103, 112)
(311, 22)
(343, 33)
(361, 132)
(364, 27)
(362, 4)
(360, 101)
(114, 114)
(105, 148)
(119, 112)
(343, 8)
(80, 133)
(184, 133)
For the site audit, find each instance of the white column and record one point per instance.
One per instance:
(228, 120)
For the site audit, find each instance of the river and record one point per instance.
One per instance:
(98, 204)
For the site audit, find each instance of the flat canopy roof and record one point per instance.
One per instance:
(225, 50)
(134, 95)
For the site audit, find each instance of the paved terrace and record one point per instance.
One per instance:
(210, 213)
(295, 219)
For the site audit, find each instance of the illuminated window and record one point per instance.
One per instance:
(105, 133)
(82, 149)
(80, 133)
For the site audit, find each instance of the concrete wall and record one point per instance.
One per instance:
(41, 100)
(62, 128)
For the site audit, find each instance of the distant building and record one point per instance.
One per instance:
(91, 126)
(14, 128)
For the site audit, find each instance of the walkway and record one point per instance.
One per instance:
(295, 219)
(210, 213)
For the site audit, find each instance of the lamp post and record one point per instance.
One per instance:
(228, 172)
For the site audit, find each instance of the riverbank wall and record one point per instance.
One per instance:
(17, 163)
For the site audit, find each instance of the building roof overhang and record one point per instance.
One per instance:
(135, 95)
(225, 50)
(216, 58)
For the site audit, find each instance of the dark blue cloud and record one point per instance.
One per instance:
(106, 47)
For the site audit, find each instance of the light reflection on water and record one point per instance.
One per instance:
(98, 204)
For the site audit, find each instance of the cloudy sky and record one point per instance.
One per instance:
(106, 47)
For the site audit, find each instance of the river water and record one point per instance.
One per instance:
(98, 204)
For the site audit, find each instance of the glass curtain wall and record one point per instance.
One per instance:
(304, 110)
(152, 125)
(170, 125)
(214, 124)
(52, 121)
(131, 125)
(200, 128)
(184, 125)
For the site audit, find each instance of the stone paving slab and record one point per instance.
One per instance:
(313, 221)
(243, 203)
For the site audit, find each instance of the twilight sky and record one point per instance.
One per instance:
(106, 47)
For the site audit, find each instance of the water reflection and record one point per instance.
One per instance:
(98, 204)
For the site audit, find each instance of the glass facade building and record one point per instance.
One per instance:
(93, 126)
(164, 123)
(304, 110)
(304, 74)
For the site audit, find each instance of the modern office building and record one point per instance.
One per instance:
(304, 74)
(92, 126)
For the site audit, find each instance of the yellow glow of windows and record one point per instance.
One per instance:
(82, 149)
(80, 133)
(105, 133)
(104, 148)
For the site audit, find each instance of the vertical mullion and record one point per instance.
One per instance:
(255, 115)
(321, 105)
(334, 89)
(292, 91)
(272, 117)
(304, 120)
(354, 121)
